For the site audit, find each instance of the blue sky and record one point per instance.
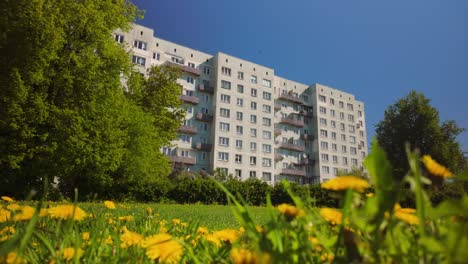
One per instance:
(377, 50)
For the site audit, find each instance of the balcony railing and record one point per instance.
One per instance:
(293, 172)
(204, 117)
(291, 146)
(306, 161)
(189, 99)
(188, 129)
(205, 88)
(290, 98)
(185, 68)
(277, 131)
(183, 160)
(277, 106)
(307, 137)
(203, 146)
(306, 113)
(292, 122)
(278, 157)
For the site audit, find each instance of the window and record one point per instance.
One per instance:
(334, 147)
(166, 151)
(191, 64)
(341, 104)
(335, 171)
(343, 137)
(324, 145)
(363, 154)
(239, 130)
(354, 162)
(324, 157)
(352, 139)
(266, 121)
(253, 174)
(322, 98)
(323, 121)
(266, 83)
(177, 60)
(240, 102)
(139, 60)
(266, 134)
(224, 112)
(323, 110)
(349, 106)
(341, 115)
(225, 85)
(350, 118)
(345, 160)
(332, 101)
(184, 153)
(266, 176)
(226, 71)
(323, 133)
(240, 88)
(204, 127)
(253, 92)
(359, 113)
(305, 98)
(325, 169)
(239, 116)
(253, 118)
(224, 126)
(253, 146)
(266, 162)
(343, 149)
(332, 113)
(225, 98)
(119, 38)
(333, 135)
(335, 159)
(224, 156)
(238, 158)
(266, 108)
(361, 133)
(238, 143)
(342, 127)
(253, 132)
(253, 79)
(266, 148)
(139, 44)
(223, 141)
(240, 75)
(253, 160)
(353, 151)
(267, 96)
(238, 173)
(206, 70)
(332, 124)
(185, 138)
(253, 105)
(156, 56)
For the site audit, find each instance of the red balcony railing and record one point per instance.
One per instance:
(295, 172)
(292, 122)
(183, 160)
(188, 129)
(291, 98)
(189, 99)
(185, 68)
(291, 146)
(278, 157)
(306, 113)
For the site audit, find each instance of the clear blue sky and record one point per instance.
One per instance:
(377, 50)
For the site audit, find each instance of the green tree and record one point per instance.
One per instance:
(413, 120)
(63, 110)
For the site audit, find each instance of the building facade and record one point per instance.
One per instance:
(248, 122)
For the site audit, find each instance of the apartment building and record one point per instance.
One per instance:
(248, 122)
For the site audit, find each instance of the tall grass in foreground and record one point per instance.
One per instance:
(368, 227)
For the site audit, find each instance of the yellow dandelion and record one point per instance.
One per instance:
(85, 236)
(369, 195)
(109, 204)
(149, 210)
(6, 232)
(69, 253)
(202, 230)
(227, 235)
(316, 243)
(14, 207)
(163, 248)
(13, 258)
(435, 168)
(184, 224)
(176, 221)
(290, 211)
(245, 256)
(5, 215)
(342, 183)
(126, 218)
(406, 215)
(26, 213)
(7, 199)
(109, 240)
(67, 211)
(332, 215)
(129, 238)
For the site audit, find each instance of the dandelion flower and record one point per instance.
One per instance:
(5, 215)
(69, 253)
(290, 211)
(202, 230)
(7, 199)
(12, 258)
(14, 207)
(85, 236)
(163, 248)
(126, 218)
(331, 215)
(227, 235)
(109, 204)
(435, 168)
(406, 215)
(176, 221)
(149, 210)
(26, 213)
(342, 183)
(67, 211)
(245, 256)
(129, 238)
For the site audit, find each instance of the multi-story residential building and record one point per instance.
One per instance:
(248, 122)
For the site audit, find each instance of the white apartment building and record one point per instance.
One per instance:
(250, 123)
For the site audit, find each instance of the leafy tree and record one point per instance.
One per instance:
(413, 120)
(354, 172)
(64, 114)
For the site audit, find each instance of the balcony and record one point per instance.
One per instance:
(290, 98)
(184, 68)
(294, 172)
(306, 161)
(277, 131)
(307, 137)
(189, 99)
(278, 157)
(203, 146)
(183, 160)
(291, 146)
(205, 88)
(277, 106)
(306, 113)
(204, 117)
(188, 129)
(292, 122)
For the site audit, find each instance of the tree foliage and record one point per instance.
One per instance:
(64, 114)
(413, 120)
